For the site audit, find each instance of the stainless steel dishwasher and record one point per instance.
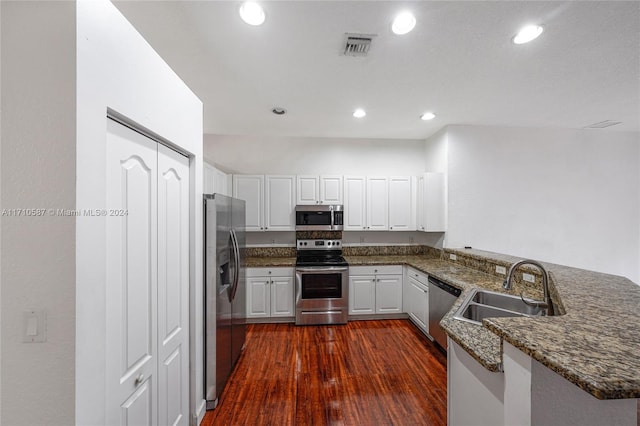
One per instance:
(442, 296)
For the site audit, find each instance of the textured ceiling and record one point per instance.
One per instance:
(458, 62)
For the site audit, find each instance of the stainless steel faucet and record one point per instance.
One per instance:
(547, 303)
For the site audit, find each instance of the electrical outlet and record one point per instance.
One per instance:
(528, 278)
(273, 241)
(453, 256)
(411, 239)
(501, 270)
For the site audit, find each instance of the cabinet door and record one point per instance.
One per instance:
(388, 294)
(131, 267)
(355, 204)
(419, 304)
(362, 295)
(331, 190)
(173, 287)
(258, 297)
(307, 192)
(221, 183)
(420, 205)
(209, 183)
(400, 204)
(377, 203)
(435, 202)
(282, 297)
(280, 203)
(250, 188)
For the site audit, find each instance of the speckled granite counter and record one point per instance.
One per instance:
(595, 345)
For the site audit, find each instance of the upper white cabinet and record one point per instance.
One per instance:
(215, 181)
(280, 203)
(401, 204)
(270, 201)
(432, 203)
(366, 203)
(355, 203)
(319, 190)
(250, 188)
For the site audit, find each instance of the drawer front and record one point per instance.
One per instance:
(375, 270)
(269, 272)
(421, 277)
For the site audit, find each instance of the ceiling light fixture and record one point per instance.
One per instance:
(528, 33)
(279, 111)
(427, 116)
(403, 23)
(359, 113)
(252, 13)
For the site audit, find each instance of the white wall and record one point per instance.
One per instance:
(565, 196)
(117, 69)
(38, 171)
(436, 152)
(273, 155)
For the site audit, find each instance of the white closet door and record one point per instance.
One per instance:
(131, 295)
(173, 287)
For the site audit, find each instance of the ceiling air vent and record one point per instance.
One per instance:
(602, 124)
(357, 44)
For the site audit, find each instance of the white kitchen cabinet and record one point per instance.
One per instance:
(401, 204)
(417, 300)
(270, 292)
(270, 201)
(377, 203)
(366, 203)
(280, 203)
(432, 203)
(215, 181)
(375, 289)
(324, 189)
(355, 203)
(250, 188)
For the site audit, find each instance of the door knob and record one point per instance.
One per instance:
(138, 381)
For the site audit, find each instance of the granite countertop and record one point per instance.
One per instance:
(595, 344)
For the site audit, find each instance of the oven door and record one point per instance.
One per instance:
(322, 288)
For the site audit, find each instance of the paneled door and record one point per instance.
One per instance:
(147, 258)
(173, 287)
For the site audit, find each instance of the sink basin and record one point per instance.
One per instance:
(482, 304)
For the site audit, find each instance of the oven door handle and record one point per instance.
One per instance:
(320, 269)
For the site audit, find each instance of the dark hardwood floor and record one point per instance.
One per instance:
(363, 373)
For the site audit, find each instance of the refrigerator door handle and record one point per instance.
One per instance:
(236, 255)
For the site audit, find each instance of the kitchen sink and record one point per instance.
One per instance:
(482, 304)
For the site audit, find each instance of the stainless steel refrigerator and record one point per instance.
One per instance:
(224, 291)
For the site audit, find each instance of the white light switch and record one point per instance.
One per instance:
(528, 277)
(501, 270)
(34, 326)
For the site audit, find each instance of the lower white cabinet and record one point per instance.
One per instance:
(417, 298)
(375, 289)
(270, 292)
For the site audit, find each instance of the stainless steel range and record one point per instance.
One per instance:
(322, 283)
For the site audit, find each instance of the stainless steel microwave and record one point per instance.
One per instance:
(319, 217)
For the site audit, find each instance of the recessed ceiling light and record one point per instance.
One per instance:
(528, 33)
(403, 23)
(359, 113)
(279, 111)
(428, 116)
(252, 13)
